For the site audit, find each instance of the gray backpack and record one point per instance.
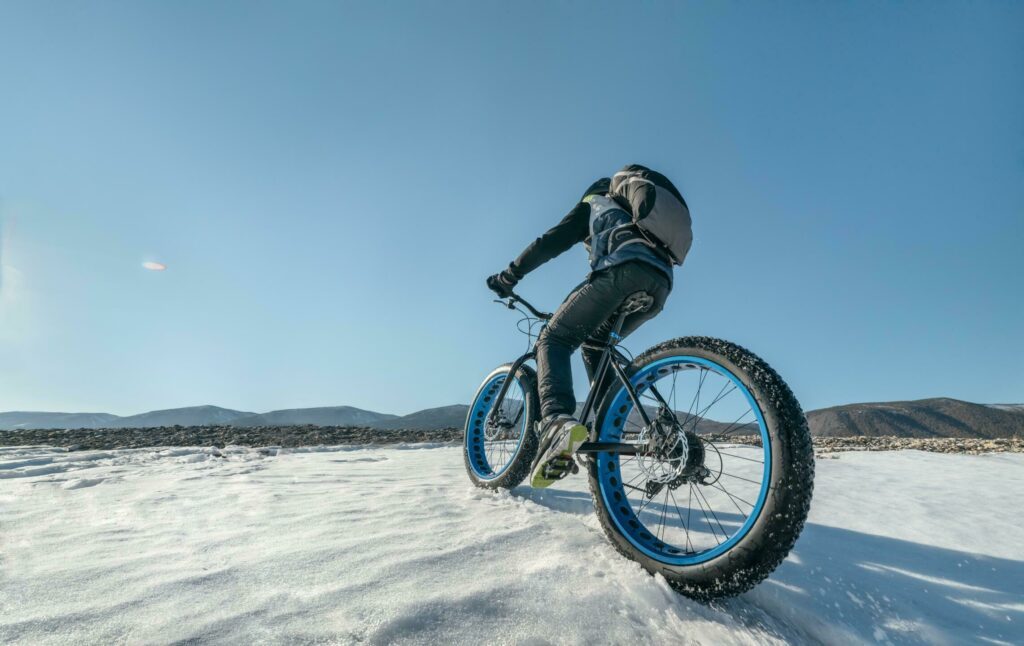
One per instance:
(658, 209)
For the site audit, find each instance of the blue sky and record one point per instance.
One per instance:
(330, 183)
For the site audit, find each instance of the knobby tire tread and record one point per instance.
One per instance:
(519, 469)
(782, 519)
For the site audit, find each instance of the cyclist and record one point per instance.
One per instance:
(624, 260)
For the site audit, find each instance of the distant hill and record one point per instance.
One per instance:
(431, 418)
(324, 416)
(188, 416)
(19, 419)
(940, 417)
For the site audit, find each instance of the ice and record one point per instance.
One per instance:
(393, 545)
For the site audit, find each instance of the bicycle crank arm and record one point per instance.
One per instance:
(608, 447)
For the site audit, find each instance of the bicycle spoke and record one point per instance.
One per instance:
(741, 426)
(643, 504)
(707, 519)
(745, 413)
(700, 385)
(725, 534)
(672, 397)
(664, 509)
(696, 395)
(633, 479)
(632, 423)
(629, 460)
(689, 508)
(740, 478)
(733, 455)
(685, 525)
(733, 498)
(717, 399)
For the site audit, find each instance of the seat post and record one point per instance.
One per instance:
(614, 335)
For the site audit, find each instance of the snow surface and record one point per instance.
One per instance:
(1013, 408)
(393, 545)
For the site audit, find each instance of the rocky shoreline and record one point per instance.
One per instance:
(296, 436)
(824, 445)
(220, 436)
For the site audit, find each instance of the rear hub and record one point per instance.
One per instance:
(675, 455)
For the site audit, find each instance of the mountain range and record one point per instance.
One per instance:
(939, 417)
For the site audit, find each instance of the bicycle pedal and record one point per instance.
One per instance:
(554, 474)
(558, 468)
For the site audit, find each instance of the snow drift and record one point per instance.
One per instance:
(392, 545)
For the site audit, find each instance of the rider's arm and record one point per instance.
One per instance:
(574, 227)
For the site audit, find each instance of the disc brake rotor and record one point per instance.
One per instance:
(499, 430)
(675, 455)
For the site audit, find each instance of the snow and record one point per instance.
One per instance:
(393, 545)
(1013, 408)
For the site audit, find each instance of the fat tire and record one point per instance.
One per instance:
(521, 462)
(785, 510)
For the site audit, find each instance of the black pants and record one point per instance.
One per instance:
(589, 313)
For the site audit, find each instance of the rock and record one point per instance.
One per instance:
(274, 437)
(937, 445)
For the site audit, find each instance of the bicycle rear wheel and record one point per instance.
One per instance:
(721, 490)
(498, 450)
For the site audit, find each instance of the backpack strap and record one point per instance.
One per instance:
(640, 237)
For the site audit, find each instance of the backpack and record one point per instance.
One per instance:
(658, 209)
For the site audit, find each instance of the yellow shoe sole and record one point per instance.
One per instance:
(577, 435)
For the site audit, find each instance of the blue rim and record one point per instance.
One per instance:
(613, 492)
(475, 443)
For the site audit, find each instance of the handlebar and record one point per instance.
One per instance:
(516, 298)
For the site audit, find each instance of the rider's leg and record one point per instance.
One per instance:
(584, 310)
(588, 312)
(647, 279)
(582, 315)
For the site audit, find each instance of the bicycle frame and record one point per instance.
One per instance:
(611, 358)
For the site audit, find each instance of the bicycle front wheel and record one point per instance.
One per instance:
(720, 489)
(498, 449)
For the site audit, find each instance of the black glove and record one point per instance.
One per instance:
(502, 283)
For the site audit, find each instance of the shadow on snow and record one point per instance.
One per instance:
(840, 584)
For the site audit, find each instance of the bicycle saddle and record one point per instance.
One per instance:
(637, 302)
